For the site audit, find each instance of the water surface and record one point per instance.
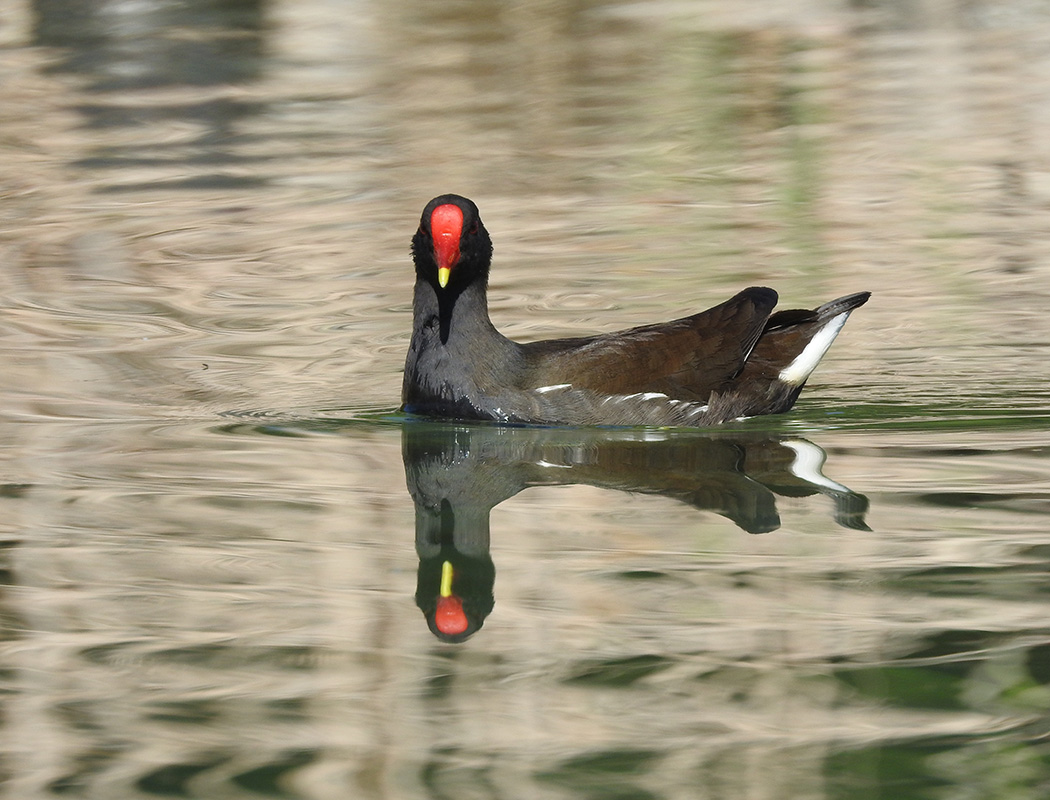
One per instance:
(220, 538)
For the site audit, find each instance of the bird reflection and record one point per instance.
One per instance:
(458, 473)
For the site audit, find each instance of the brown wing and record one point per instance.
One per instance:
(685, 359)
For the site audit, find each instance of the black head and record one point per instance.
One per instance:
(451, 249)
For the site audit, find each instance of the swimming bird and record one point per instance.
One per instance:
(737, 359)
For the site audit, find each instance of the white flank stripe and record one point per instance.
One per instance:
(552, 388)
(805, 362)
(620, 398)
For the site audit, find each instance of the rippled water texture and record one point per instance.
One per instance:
(223, 548)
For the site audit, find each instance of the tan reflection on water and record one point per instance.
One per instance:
(173, 253)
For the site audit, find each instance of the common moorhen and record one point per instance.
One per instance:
(735, 360)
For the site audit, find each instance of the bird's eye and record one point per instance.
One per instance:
(474, 227)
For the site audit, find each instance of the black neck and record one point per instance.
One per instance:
(454, 342)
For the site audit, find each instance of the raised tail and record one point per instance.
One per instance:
(789, 349)
(815, 334)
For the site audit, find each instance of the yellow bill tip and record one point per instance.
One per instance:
(446, 579)
(443, 273)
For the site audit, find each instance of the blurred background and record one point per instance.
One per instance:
(210, 559)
